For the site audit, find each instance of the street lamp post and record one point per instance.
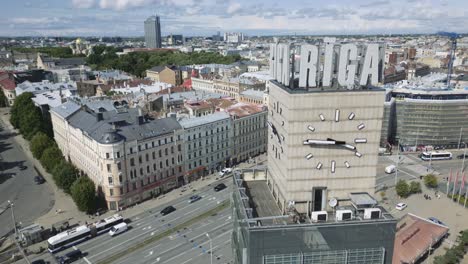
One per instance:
(211, 248)
(464, 155)
(16, 233)
(398, 161)
(13, 217)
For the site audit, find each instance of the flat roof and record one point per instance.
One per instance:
(414, 237)
(263, 203)
(362, 199)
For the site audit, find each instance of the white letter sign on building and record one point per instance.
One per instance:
(329, 65)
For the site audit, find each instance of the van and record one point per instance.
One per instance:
(390, 169)
(117, 229)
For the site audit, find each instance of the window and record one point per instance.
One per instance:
(179, 147)
(107, 155)
(154, 155)
(160, 153)
(108, 168)
(141, 171)
(165, 141)
(140, 160)
(188, 138)
(172, 149)
(132, 162)
(147, 169)
(180, 169)
(120, 178)
(160, 165)
(110, 180)
(121, 191)
(139, 147)
(173, 161)
(131, 174)
(167, 162)
(154, 166)
(134, 185)
(119, 166)
(131, 150)
(147, 157)
(152, 144)
(111, 192)
(118, 154)
(165, 151)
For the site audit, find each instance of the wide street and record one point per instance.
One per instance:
(30, 200)
(178, 246)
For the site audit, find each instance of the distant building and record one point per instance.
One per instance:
(47, 63)
(252, 97)
(168, 74)
(233, 37)
(129, 157)
(175, 40)
(153, 32)
(8, 85)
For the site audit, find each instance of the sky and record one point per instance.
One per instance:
(253, 17)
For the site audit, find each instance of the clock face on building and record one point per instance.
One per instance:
(351, 147)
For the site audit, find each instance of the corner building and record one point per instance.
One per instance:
(312, 175)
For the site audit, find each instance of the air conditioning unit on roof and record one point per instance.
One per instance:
(342, 215)
(372, 213)
(319, 216)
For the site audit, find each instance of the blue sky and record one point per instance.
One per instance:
(254, 17)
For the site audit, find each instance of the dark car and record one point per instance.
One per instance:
(220, 187)
(39, 261)
(70, 257)
(194, 198)
(461, 156)
(436, 221)
(22, 167)
(39, 179)
(168, 210)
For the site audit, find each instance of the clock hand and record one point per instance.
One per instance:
(343, 144)
(319, 142)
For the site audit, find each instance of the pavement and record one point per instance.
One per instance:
(30, 200)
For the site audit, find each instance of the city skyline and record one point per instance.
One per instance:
(124, 17)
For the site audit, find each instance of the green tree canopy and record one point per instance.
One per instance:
(51, 157)
(83, 193)
(64, 175)
(430, 180)
(57, 52)
(402, 188)
(415, 187)
(39, 143)
(3, 99)
(22, 102)
(31, 122)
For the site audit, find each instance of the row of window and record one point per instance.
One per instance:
(153, 154)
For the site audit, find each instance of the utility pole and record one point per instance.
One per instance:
(464, 156)
(398, 161)
(16, 233)
(416, 145)
(459, 140)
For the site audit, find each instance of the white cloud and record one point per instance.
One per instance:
(233, 8)
(83, 3)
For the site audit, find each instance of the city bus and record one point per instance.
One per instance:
(436, 155)
(76, 235)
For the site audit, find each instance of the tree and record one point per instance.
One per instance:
(65, 174)
(30, 122)
(3, 99)
(51, 157)
(83, 193)
(402, 188)
(382, 195)
(415, 187)
(430, 180)
(39, 143)
(19, 106)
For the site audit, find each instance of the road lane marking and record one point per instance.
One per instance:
(87, 261)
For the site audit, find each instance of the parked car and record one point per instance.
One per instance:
(401, 206)
(39, 261)
(194, 198)
(70, 257)
(461, 156)
(390, 169)
(225, 171)
(436, 221)
(22, 167)
(220, 187)
(168, 210)
(39, 179)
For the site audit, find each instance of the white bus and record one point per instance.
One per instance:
(81, 233)
(68, 238)
(436, 155)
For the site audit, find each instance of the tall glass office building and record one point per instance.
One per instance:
(347, 235)
(153, 32)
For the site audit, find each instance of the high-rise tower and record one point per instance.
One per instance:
(153, 32)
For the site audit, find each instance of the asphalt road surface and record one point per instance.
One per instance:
(151, 223)
(30, 200)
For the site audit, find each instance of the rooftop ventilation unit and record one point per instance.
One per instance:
(372, 213)
(319, 216)
(342, 215)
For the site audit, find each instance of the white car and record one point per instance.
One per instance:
(401, 206)
(225, 171)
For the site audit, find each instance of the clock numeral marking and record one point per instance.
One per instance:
(309, 156)
(351, 116)
(271, 136)
(333, 166)
(322, 117)
(337, 115)
(360, 140)
(282, 123)
(351, 147)
(358, 154)
(282, 150)
(282, 137)
(347, 164)
(319, 166)
(361, 126)
(311, 128)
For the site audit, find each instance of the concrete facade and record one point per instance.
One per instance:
(294, 171)
(200, 84)
(166, 75)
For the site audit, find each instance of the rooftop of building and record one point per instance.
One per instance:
(203, 120)
(259, 209)
(414, 237)
(255, 94)
(301, 90)
(44, 86)
(52, 98)
(240, 110)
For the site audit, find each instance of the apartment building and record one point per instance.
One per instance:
(128, 156)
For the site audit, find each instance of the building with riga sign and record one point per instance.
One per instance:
(312, 204)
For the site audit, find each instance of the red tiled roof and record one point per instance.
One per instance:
(414, 237)
(243, 109)
(8, 84)
(187, 83)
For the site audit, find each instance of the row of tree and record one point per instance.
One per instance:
(455, 254)
(57, 52)
(33, 126)
(137, 63)
(403, 189)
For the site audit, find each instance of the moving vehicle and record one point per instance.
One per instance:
(70, 257)
(390, 169)
(401, 206)
(168, 210)
(39, 179)
(462, 156)
(117, 229)
(78, 234)
(194, 198)
(39, 261)
(225, 171)
(436, 221)
(22, 167)
(220, 187)
(436, 155)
